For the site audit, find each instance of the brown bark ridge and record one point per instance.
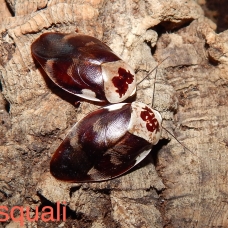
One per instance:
(172, 187)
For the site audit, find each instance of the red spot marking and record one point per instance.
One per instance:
(122, 81)
(151, 122)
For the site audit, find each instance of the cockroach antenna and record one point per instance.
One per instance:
(179, 141)
(155, 68)
(152, 103)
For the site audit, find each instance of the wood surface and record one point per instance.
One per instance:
(177, 185)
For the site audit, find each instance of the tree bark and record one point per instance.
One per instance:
(183, 182)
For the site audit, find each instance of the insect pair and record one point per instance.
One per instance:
(111, 140)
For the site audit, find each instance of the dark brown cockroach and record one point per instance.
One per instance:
(84, 66)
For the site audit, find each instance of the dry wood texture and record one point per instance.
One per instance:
(172, 187)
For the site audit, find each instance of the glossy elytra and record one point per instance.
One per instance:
(84, 66)
(107, 142)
